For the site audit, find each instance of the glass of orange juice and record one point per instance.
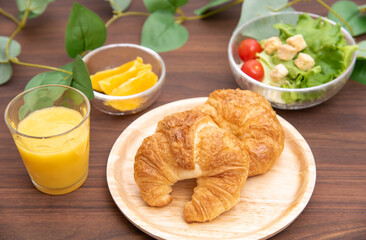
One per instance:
(50, 127)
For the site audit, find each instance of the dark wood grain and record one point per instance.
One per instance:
(335, 131)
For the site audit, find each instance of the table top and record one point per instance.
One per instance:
(334, 130)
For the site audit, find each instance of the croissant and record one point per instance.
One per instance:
(250, 117)
(190, 145)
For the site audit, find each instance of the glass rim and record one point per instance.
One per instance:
(6, 113)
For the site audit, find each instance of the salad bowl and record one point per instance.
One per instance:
(282, 97)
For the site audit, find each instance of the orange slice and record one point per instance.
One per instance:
(111, 72)
(124, 105)
(135, 85)
(111, 83)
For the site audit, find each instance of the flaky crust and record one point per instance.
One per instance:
(250, 117)
(190, 145)
(235, 134)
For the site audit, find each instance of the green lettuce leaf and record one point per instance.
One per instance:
(325, 44)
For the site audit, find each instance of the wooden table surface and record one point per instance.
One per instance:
(335, 131)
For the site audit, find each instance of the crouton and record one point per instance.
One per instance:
(286, 52)
(304, 61)
(271, 45)
(297, 42)
(278, 72)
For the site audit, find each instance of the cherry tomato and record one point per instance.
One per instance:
(254, 69)
(248, 48)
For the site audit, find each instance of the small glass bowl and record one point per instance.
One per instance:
(114, 55)
(305, 97)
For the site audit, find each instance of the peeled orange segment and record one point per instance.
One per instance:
(111, 72)
(128, 79)
(109, 84)
(136, 85)
(124, 105)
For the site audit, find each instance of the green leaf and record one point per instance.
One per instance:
(264, 29)
(37, 7)
(68, 67)
(325, 44)
(361, 51)
(169, 5)
(39, 98)
(23, 111)
(255, 8)
(348, 50)
(119, 5)
(161, 33)
(14, 48)
(42, 98)
(75, 97)
(47, 99)
(211, 4)
(359, 72)
(351, 13)
(49, 78)
(81, 78)
(6, 70)
(85, 31)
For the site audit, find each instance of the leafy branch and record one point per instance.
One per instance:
(9, 15)
(323, 4)
(93, 30)
(117, 15)
(162, 16)
(162, 31)
(11, 58)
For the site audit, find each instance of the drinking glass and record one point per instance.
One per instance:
(50, 126)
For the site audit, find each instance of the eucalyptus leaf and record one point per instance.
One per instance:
(14, 48)
(211, 4)
(264, 28)
(71, 96)
(37, 7)
(6, 70)
(255, 8)
(169, 5)
(68, 67)
(161, 33)
(44, 98)
(351, 13)
(49, 78)
(38, 99)
(81, 78)
(85, 31)
(119, 5)
(23, 111)
(359, 72)
(361, 51)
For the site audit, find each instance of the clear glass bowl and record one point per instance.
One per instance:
(114, 55)
(306, 97)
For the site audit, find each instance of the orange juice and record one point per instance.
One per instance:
(57, 158)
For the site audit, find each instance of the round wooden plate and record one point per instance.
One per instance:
(268, 203)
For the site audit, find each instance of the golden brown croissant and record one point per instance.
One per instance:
(190, 145)
(250, 117)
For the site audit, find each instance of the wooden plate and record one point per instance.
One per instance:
(268, 203)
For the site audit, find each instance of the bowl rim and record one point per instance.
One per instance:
(347, 36)
(130, 45)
